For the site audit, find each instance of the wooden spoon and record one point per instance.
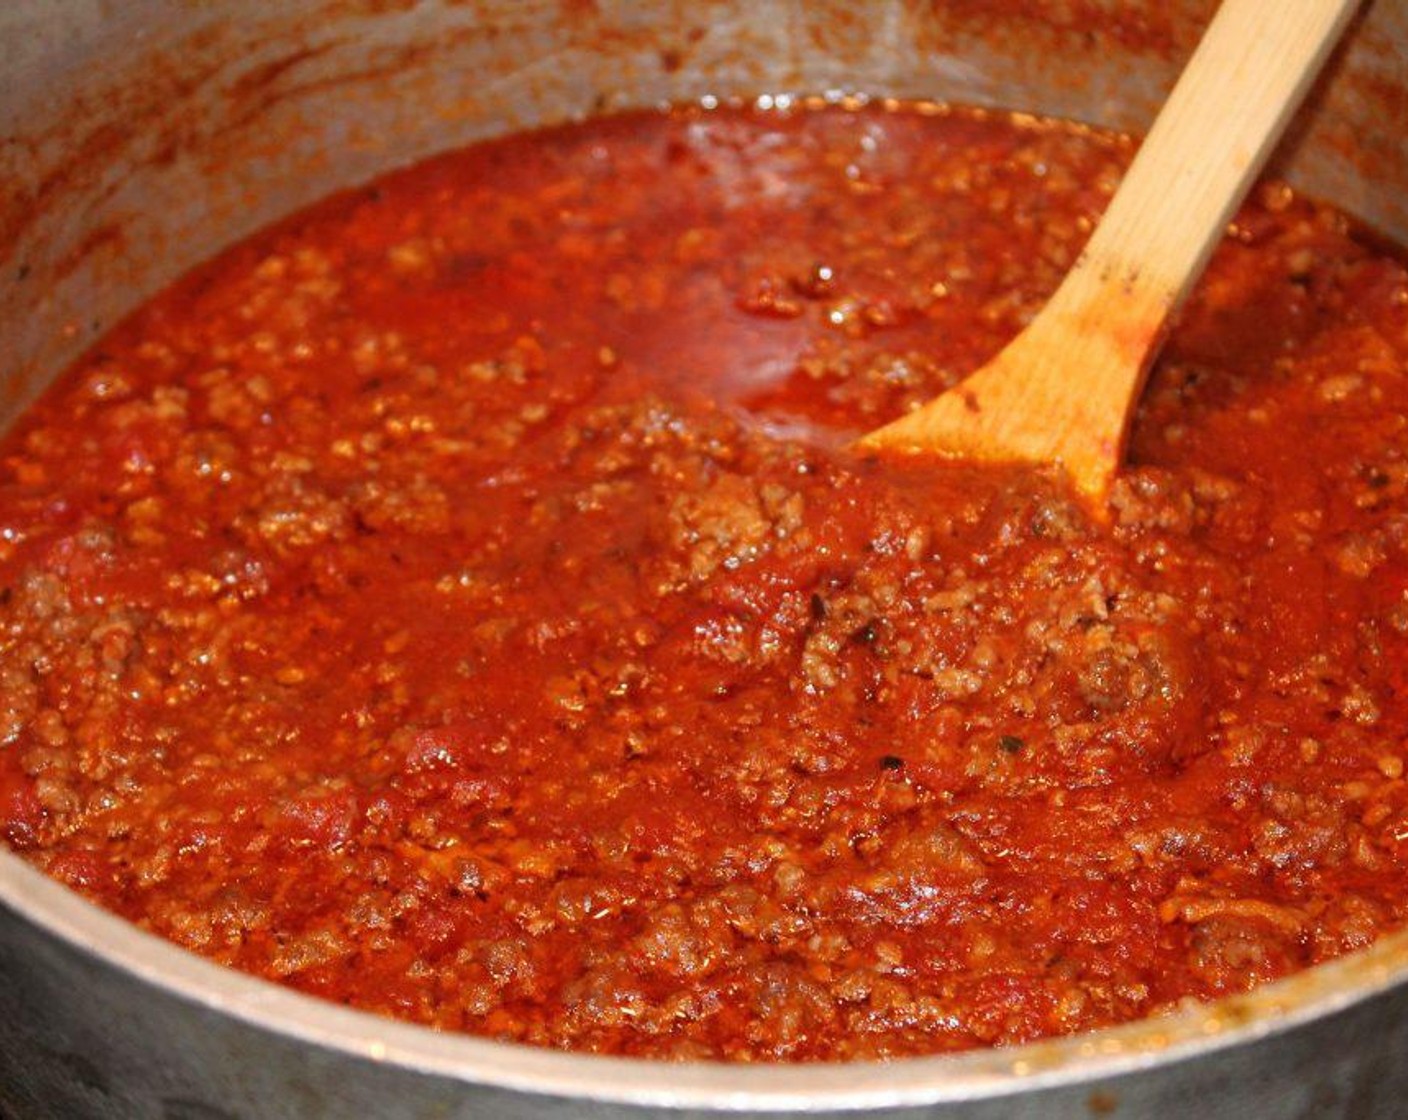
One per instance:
(1063, 390)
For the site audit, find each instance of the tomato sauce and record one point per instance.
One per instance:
(459, 601)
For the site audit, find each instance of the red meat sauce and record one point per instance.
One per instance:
(460, 602)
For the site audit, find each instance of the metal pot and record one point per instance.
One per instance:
(138, 138)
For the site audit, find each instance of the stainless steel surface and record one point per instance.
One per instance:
(138, 137)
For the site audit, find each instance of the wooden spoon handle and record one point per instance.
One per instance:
(1254, 64)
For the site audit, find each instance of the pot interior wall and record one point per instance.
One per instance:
(140, 138)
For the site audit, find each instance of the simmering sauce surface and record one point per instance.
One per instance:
(459, 602)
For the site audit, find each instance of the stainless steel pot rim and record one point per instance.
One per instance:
(969, 1076)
